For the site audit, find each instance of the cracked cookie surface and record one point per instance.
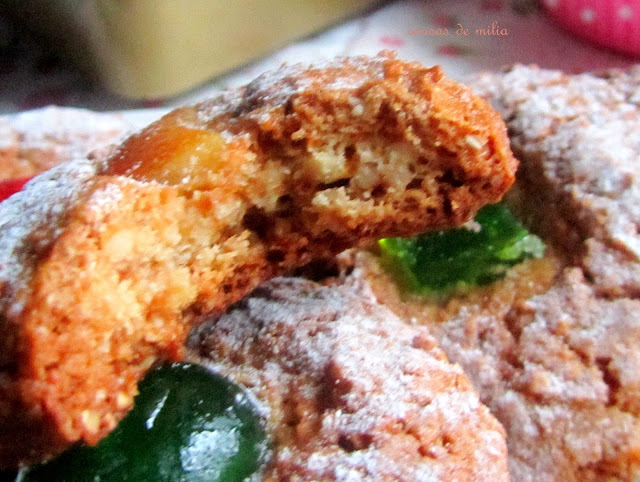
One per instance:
(350, 391)
(552, 348)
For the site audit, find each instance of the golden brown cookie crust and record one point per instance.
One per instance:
(196, 210)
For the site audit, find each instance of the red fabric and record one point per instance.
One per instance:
(11, 186)
(611, 23)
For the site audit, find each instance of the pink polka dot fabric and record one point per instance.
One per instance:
(611, 23)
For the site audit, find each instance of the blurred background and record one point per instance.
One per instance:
(135, 54)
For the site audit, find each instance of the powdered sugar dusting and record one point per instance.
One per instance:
(559, 366)
(579, 138)
(372, 397)
(8, 137)
(33, 141)
(66, 125)
(560, 370)
(275, 87)
(107, 197)
(31, 219)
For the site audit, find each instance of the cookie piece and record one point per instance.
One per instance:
(577, 136)
(106, 266)
(35, 141)
(350, 391)
(552, 348)
(555, 363)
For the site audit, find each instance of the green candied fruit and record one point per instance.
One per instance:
(188, 424)
(452, 261)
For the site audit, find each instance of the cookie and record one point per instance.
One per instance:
(35, 141)
(552, 348)
(349, 390)
(107, 264)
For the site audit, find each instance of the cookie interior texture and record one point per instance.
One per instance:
(197, 210)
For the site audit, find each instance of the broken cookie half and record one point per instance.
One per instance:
(106, 265)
